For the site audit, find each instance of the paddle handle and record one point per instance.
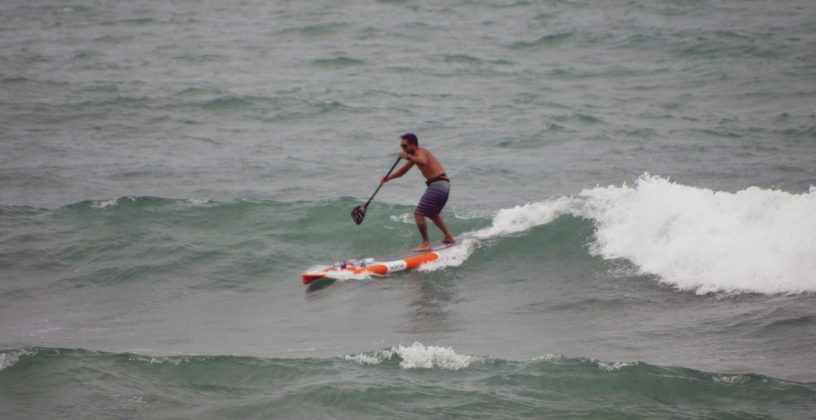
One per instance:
(381, 184)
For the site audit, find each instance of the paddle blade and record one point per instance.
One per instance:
(358, 214)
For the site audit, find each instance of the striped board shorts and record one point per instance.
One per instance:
(434, 199)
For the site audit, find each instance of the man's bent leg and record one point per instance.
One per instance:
(441, 225)
(423, 230)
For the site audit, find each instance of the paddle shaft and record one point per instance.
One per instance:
(381, 184)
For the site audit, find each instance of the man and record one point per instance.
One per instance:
(435, 197)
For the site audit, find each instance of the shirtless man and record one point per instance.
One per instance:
(435, 197)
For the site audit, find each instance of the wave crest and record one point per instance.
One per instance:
(11, 357)
(754, 240)
(416, 356)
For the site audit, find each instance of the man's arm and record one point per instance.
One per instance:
(400, 172)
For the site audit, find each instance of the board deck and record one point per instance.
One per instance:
(377, 267)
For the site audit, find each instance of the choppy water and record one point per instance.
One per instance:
(405, 381)
(632, 187)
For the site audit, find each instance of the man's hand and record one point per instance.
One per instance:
(404, 155)
(384, 180)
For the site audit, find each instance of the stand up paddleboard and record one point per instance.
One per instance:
(370, 266)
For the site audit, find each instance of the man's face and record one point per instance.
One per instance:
(407, 148)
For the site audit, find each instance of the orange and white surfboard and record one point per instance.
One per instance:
(369, 266)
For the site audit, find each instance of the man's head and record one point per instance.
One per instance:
(409, 142)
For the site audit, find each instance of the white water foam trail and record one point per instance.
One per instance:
(506, 222)
(694, 239)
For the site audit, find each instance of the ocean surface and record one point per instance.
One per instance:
(632, 190)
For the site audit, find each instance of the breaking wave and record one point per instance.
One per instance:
(692, 238)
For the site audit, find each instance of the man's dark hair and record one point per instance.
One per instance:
(411, 138)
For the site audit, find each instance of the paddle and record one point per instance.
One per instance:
(358, 214)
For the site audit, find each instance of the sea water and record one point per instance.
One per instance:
(632, 190)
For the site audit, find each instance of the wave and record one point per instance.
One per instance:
(416, 356)
(11, 357)
(754, 240)
(694, 239)
(689, 238)
(425, 381)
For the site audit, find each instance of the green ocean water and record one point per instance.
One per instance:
(206, 299)
(632, 191)
(105, 385)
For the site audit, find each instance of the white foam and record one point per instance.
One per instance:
(546, 358)
(367, 359)
(170, 360)
(700, 240)
(470, 214)
(105, 204)
(730, 379)
(406, 218)
(454, 256)
(416, 356)
(522, 218)
(110, 203)
(613, 366)
(11, 358)
(419, 356)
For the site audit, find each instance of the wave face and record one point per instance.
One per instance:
(414, 381)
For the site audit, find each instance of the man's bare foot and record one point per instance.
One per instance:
(423, 248)
(449, 241)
